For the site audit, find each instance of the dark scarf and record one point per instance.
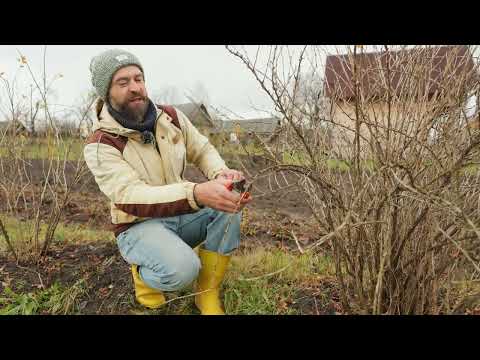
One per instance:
(147, 128)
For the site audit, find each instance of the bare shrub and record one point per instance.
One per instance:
(382, 146)
(36, 203)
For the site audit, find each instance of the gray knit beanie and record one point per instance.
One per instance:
(104, 66)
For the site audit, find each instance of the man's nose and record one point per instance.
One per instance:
(134, 87)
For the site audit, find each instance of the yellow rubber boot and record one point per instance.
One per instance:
(148, 297)
(214, 266)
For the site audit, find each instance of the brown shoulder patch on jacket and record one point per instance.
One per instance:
(170, 110)
(174, 208)
(117, 141)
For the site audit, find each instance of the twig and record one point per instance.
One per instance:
(296, 241)
(186, 296)
(269, 274)
(316, 307)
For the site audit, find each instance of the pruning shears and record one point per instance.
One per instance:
(241, 186)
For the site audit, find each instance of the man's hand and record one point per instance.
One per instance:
(231, 174)
(214, 194)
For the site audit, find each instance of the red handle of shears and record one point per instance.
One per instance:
(245, 195)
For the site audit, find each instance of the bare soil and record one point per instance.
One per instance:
(108, 285)
(89, 206)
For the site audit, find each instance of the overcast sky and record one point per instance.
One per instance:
(226, 79)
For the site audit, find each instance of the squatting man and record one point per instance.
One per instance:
(138, 153)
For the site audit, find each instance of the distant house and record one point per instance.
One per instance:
(199, 116)
(247, 129)
(264, 127)
(442, 64)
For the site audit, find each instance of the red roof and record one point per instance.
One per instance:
(443, 64)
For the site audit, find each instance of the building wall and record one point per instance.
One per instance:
(404, 118)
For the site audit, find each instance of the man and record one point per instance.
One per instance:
(138, 153)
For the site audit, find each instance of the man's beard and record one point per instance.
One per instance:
(135, 114)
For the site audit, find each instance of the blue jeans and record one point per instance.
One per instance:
(163, 247)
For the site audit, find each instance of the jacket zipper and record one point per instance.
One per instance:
(155, 143)
(156, 147)
(158, 150)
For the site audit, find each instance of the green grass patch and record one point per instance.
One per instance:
(296, 158)
(21, 234)
(340, 165)
(471, 169)
(43, 148)
(55, 300)
(261, 281)
(235, 149)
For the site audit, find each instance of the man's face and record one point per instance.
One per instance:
(128, 93)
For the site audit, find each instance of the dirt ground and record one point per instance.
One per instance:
(273, 210)
(107, 286)
(269, 222)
